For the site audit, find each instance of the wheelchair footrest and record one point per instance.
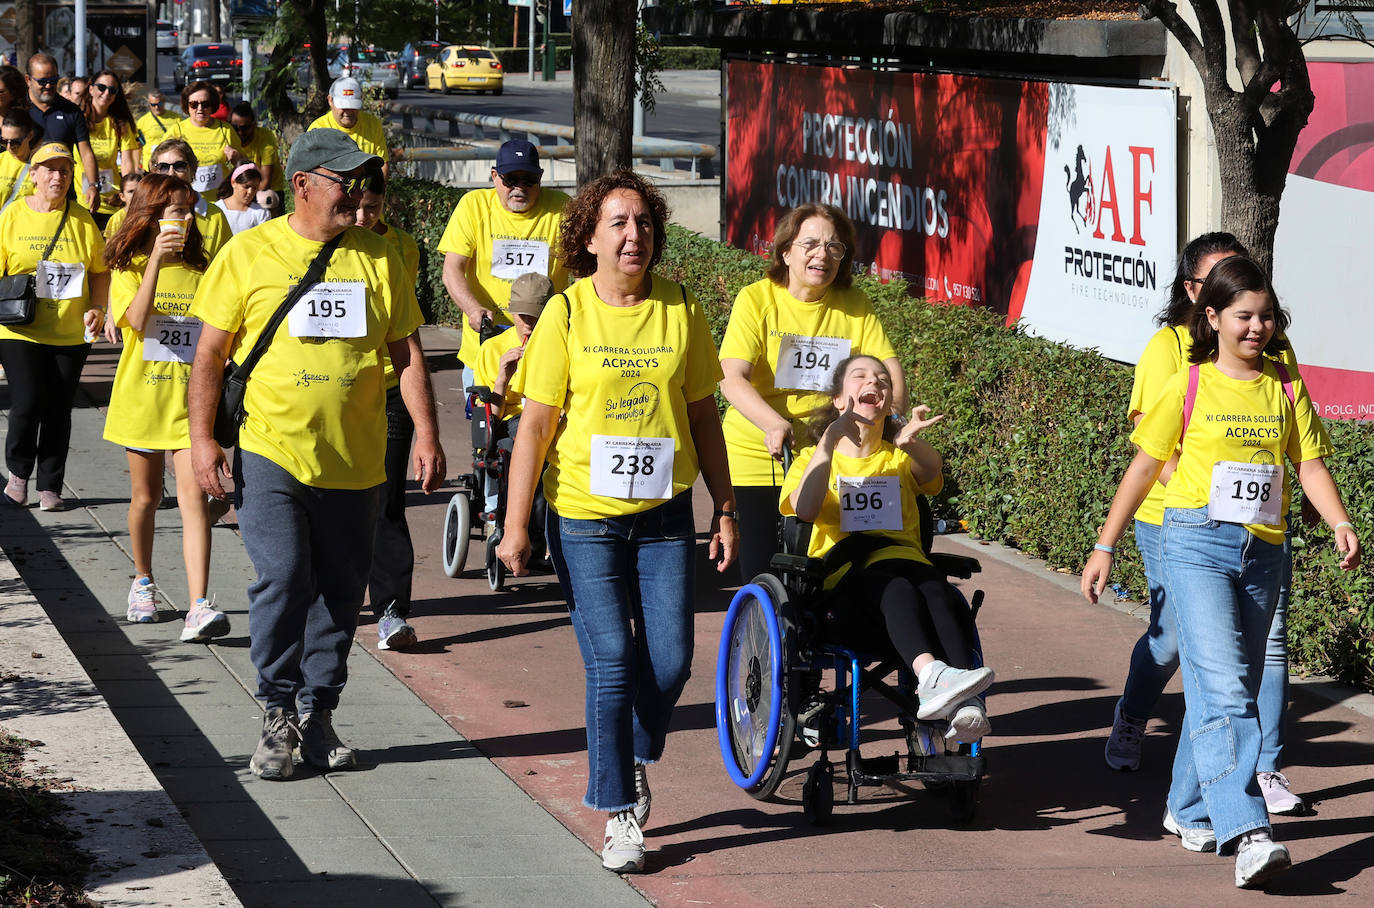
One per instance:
(940, 768)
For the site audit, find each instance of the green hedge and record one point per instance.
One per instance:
(1036, 436)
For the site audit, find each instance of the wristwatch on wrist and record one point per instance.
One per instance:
(733, 515)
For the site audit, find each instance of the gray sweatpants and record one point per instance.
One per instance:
(311, 549)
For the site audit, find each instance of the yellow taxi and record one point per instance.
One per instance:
(465, 67)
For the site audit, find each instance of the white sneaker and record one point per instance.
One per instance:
(1125, 742)
(623, 851)
(1193, 839)
(968, 724)
(644, 798)
(1259, 859)
(946, 687)
(142, 601)
(1277, 798)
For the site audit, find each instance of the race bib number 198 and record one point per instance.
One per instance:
(807, 363)
(335, 309)
(1246, 493)
(869, 503)
(632, 467)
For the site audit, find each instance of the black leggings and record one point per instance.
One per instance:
(43, 379)
(902, 608)
(759, 521)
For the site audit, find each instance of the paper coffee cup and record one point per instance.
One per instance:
(176, 224)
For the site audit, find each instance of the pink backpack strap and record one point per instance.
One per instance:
(1287, 383)
(1189, 399)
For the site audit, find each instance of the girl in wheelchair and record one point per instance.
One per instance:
(862, 476)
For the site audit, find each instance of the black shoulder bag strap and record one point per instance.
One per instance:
(52, 244)
(312, 277)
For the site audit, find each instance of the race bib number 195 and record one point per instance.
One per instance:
(632, 467)
(869, 503)
(335, 309)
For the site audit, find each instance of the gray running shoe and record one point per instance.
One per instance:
(272, 759)
(1125, 742)
(320, 746)
(392, 630)
(644, 798)
(622, 850)
(946, 687)
(1193, 839)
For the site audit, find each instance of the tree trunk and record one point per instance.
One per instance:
(603, 85)
(26, 41)
(216, 31)
(303, 21)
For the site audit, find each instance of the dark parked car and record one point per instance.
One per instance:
(218, 63)
(415, 56)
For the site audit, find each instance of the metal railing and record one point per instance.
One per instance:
(484, 127)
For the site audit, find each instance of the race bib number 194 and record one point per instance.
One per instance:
(807, 363)
(632, 467)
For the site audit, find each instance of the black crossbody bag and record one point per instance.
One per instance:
(230, 415)
(19, 292)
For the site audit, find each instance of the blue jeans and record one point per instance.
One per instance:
(1223, 584)
(630, 589)
(311, 549)
(1155, 657)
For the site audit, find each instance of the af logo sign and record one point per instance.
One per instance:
(1088, 212)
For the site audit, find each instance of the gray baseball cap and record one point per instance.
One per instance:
(327, 148)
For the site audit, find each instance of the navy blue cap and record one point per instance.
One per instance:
(517, 154)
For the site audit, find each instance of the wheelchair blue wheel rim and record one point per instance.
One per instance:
(743, 678)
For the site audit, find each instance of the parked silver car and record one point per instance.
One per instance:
(375, 69)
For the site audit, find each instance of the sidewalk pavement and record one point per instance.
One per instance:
(473, 750)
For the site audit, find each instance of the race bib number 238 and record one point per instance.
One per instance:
(624, 467)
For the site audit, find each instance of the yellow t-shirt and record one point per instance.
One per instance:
(406, 248)
(24, 235)
(489, 363)
(827, 530)
(493, 239)
(148, 399)
(368, 133)
(763, 318)
(10, 169)
(107, 144)
(208, 142)
(151, 129)
(263, 152)
(618, 373)
(316, 406)
(213, 226)
(1165, 354)
(1233, 420)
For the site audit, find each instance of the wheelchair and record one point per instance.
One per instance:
(771, 658)
(491, 451)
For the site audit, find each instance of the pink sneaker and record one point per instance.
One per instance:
(17, 490)
(142, 601)
(204, 622)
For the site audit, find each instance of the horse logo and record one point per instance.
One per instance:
(1082, 199)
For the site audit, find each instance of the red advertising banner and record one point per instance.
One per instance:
(940, 173)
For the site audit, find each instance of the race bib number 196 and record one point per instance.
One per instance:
(807, 363)
(335, 309)
(869, 503)
(632, 467)
(1246, 493)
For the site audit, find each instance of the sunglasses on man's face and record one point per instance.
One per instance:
(46, 81)
(519, 179)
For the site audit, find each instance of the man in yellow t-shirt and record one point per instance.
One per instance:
(308, 469)
(346, 114)
(153, 125)
(495, 235)
(260, 147)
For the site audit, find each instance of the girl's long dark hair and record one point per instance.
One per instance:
(154, 193)
(1179, 309)
(1229, 279)
(821, 417)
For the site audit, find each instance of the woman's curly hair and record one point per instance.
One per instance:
(583, 212)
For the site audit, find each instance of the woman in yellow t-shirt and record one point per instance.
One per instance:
(861, 478)
(20, 135)
(157, 259)
(1237, 415)
(115, 140)
(217, 147)
(627, 357)
(43, 359)
(786, 334)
